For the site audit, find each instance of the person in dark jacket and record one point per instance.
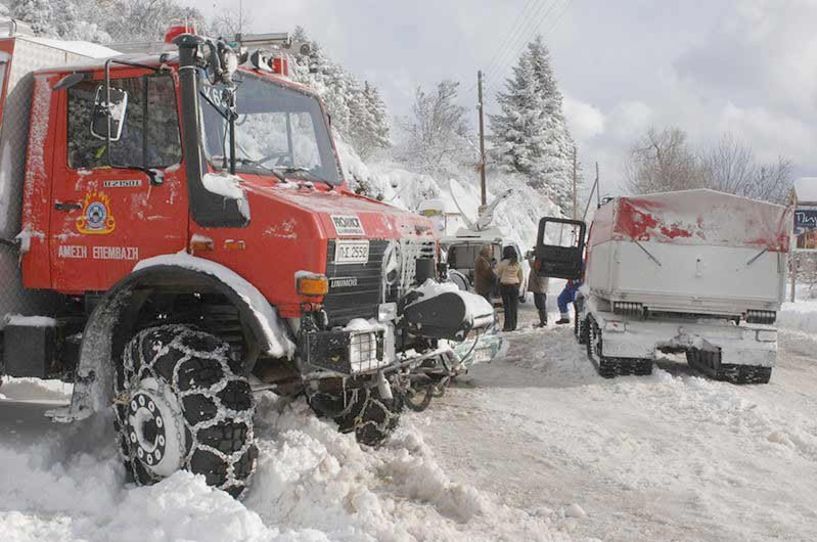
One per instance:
(510, 275)
(539, 287)
(484, 276)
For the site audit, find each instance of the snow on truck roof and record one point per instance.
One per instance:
(702, 217)
(805, 190)
(84, 48)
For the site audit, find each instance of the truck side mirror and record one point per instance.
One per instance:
(560, 247)
(109, 117)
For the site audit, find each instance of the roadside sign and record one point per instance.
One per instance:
(805, 229)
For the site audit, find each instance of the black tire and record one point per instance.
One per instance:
(419, 398)
(202, 409)
(360, 410)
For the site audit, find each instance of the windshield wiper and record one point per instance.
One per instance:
(253, 163)
(290, 170)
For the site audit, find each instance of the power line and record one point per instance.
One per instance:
(491, 87)
(510, 35)
(519, 18)
(522, 37)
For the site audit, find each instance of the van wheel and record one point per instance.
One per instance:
(180, 404)
(360, 409)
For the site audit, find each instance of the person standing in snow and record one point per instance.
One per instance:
(567, 296)
(538, 285)
(510, 278)
(484, 276)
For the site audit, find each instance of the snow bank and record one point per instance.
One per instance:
(517, 216)
(799, 316)
(26, 389)
(312, 484)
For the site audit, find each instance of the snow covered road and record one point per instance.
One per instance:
(533, 447)
(666, 457)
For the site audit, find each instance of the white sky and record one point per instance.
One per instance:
(708, 66)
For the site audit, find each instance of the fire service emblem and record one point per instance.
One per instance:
(96, 217)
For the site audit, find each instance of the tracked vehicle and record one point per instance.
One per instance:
(696, 272)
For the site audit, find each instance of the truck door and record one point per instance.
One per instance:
(112, 207)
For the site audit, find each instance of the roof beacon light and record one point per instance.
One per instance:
(177, 28)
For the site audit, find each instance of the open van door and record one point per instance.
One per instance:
(560, 247)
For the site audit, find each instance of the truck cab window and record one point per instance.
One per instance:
(150, 135)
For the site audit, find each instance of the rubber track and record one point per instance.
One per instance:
(705, 362)
(609, 367)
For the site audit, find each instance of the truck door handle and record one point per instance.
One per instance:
(67, 206)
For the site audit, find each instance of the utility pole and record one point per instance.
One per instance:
(598, 188)
(575, 186)
(481, 142)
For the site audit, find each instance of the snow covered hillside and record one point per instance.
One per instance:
(517, 216)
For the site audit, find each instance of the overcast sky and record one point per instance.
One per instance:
(748, 67)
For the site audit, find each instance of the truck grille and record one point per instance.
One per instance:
(356, 290)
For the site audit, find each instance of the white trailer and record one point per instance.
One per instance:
(698, 271)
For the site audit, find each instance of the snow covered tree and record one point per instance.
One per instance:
(357, 111)
(37, 13)
(148, 20)
(370, 128)
(530, 135)
(437, 132)
(102, 20)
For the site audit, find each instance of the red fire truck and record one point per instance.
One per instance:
(185, 238)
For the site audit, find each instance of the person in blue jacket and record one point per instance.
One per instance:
(568, 295)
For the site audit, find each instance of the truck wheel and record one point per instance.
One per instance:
(181, 405)
(361, 410)
(418, 398)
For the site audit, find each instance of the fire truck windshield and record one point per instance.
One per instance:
(278, 131)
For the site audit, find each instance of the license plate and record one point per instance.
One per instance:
(351, 252)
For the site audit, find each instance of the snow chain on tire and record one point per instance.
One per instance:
(179, 387)
(359, 409)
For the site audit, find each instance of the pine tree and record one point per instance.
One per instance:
(379, 121)
(530, 135)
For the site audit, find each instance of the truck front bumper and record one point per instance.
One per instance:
(744, 344)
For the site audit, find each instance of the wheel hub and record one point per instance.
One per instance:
(155, 429)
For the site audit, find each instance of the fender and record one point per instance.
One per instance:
(93, 385)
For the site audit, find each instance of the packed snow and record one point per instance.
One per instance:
(532, 447)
